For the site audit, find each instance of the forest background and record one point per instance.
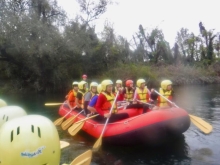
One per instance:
(41, 50)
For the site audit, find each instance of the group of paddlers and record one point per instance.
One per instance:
(99, 98)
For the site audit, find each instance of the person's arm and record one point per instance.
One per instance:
(135, 96)
(78, 97)
(91, 106)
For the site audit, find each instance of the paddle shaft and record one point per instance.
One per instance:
(69, 112)
(86, 119)
(110, 113)
(166, 99)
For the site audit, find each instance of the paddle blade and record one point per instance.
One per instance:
(201, 124)
(58, 121)
(66, 124)
(76, 127)
(83, 159)
(52, 104)
(63, 144)
(97, 144)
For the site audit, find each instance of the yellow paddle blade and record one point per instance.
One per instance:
(58, 121)
(51, 104)
(76, 127)
(83, 159)
(97, 144)
(66, 124)
(63, 144)
(201, 124)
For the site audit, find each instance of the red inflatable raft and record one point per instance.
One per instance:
(153, 127)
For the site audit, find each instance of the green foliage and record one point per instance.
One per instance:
(41, 51)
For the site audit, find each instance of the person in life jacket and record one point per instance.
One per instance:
(105, 101)
(129, 91)
(92, 103)
(84, 78)
(166, 91)
(71, 97)
(141, 95)
(119, 87)
(89, 95)
(80, 95)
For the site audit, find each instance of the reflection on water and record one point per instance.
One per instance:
(193, 147)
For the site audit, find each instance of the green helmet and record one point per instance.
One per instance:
(118, 82)
(105, 83)
(81, 84)
(165, 83)
(139, 82)
(32, 139)
(93, 84)
(75, 83)
(10, 112)
(99, 88)
(2, 103)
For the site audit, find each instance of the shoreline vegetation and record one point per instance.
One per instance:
(42, 51)
(153, 74)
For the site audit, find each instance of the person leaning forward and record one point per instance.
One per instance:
(105, 101)
(80, 95)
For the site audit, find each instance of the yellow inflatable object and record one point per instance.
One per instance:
(29, 140)
(2, 103)
(10, 112)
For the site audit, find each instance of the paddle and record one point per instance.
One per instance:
(60, 120)
(70, 120)
(63, 144)
(83, 159)
(52, 104)
(197, 121)
(78, 125)
(98, 143)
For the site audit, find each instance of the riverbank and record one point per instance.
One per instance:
(153, 74)
(179, 75)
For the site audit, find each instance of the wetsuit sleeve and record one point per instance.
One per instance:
(92, 103)
(100, 101)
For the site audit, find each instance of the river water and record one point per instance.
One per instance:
(193, 147)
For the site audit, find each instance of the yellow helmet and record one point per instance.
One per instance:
(75, 83)
(93, 84)
(139, 82)
(81, 83)
(119, 82)
(105, 83)
(32, 139)
(10, 112)
(2, 103)
(99, 88)
(165, 83)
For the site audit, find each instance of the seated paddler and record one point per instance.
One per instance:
(105, 102)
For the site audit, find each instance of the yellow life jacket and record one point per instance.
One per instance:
(107, 105)
(129, 94)
(163, 102)
(142, 95)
